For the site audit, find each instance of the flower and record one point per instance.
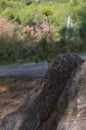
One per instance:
(47, 12)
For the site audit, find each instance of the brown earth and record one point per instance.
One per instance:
(10, 99)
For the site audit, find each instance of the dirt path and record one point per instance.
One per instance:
(27, 71)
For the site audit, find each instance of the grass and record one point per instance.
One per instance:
(9, 83)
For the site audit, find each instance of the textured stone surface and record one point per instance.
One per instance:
(58, 103)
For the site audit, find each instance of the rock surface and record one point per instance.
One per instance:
(58, 103)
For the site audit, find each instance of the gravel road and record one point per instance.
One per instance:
(26, 71)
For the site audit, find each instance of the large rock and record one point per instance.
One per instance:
(58, 103)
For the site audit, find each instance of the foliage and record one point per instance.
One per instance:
(14, 49)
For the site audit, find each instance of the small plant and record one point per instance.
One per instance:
(47, 13)
(46, 114)
(9, 83)
(10, 87)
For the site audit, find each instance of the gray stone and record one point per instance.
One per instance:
(58, 103)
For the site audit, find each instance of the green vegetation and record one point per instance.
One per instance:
(9, 83)
(61, 40)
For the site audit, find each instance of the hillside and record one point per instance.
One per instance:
(40, 30)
